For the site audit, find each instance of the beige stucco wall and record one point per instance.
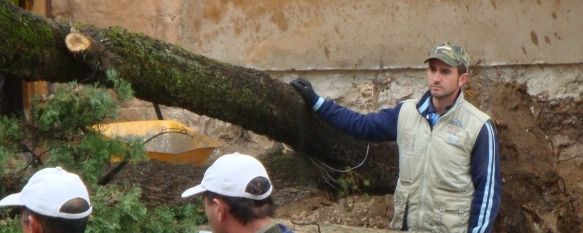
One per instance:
(339, 45)
(347, 34)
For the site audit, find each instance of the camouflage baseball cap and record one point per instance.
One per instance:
(453, 55)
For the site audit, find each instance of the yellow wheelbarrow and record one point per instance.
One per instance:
(165, 140)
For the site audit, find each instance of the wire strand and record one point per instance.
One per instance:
(352, 168)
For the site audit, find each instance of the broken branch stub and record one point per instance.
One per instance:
(77, 42)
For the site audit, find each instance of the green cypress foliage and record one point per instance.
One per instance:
(63, 132)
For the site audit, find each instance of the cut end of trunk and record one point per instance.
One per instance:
(77, 42)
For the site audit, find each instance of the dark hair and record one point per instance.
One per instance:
(62, 225)
(246, 210)
(462, 69)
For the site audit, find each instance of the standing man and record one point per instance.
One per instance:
(449, 173)
(53, 201)
(236, 194)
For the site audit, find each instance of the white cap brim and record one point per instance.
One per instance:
(193, 191)
(12, 200)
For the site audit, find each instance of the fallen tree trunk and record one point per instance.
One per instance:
(33, 48)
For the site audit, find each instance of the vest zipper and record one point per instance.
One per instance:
(423, 199)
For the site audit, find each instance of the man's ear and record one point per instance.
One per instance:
(464, 78)
(32, 224)
(222, 209)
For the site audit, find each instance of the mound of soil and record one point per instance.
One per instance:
(535, 197)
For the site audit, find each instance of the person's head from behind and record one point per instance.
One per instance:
(447, 71)
(236, 193)
(53, 201)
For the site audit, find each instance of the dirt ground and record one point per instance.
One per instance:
(299, 195)
(541, 167)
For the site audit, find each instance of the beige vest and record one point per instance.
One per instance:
(434, 168)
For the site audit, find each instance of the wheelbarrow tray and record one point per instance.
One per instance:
(165, 140)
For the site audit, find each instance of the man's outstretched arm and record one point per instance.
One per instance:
(378, 126)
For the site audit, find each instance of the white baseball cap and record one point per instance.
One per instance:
(46, 192)
(229, 176)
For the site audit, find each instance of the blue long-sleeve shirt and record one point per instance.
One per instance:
(382, 126)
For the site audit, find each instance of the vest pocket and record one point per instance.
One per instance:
(408, 159)
(407, 143)
(451, 216)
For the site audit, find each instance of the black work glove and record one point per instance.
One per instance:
(304, 87)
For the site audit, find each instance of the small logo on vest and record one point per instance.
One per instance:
(454, 127)
(454, 140)
(457, 123)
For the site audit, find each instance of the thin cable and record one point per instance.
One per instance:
(326, 175)
(352, 168)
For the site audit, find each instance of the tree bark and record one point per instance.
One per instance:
(33, 48)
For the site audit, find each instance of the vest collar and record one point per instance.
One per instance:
(425, 105)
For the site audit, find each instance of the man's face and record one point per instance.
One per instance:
(444, 80)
